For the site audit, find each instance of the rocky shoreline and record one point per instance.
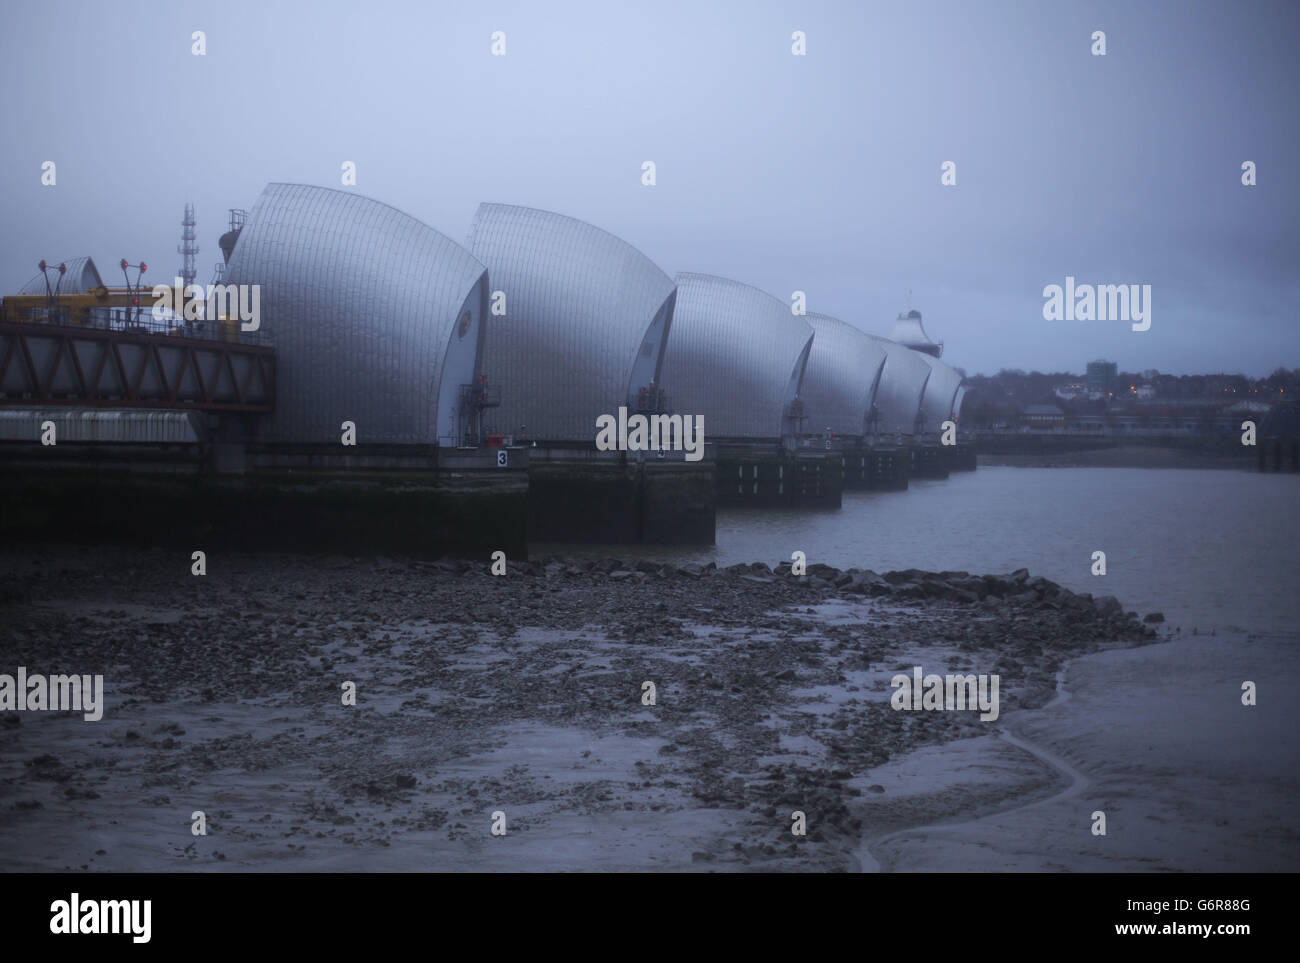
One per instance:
(520, 693)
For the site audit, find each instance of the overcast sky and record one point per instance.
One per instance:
(818, 173)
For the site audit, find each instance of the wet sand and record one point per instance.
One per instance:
(520, 694)
(1157, 738)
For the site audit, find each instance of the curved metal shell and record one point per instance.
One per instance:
(957, 401)
(737, 357)
(902, 384)
(81, 276)
(940, 394)
(586, 320)
(377, 318)
(843, 373)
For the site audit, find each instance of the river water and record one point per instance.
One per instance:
(1211, 549)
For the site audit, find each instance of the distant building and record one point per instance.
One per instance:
(1176, 417)
(1248, 408)
(1047, 416)
(1044, 417)
(1102, 376)
(909, 332)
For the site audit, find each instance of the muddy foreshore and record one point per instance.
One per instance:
(519, 693)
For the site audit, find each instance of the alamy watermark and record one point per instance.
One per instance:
(1101, 302)
(946, 692)
(651, 433)
(57, 693)
(78, 916)
(216, 301)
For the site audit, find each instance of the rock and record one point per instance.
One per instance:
(913, 575)
(621, 575)
(869, 583)
(876, 788)
(1020, 576)
(972, 584)
(1154, 617)
(1107, 606)
(1045, 587)
(405, 780)
(998, 586)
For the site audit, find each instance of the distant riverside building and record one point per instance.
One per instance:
(586, 323)
(1044, 417)
(738, 357)
(377, 319)
(1173, 418)
(909, 332)
(1102, 376)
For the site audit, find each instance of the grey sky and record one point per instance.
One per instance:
(819, 173)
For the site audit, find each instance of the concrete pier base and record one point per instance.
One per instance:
(1279, 454)
(876, 468)
(960, 457)
(928, 461)
(578, 496)
(771, 476)
(314, 512)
